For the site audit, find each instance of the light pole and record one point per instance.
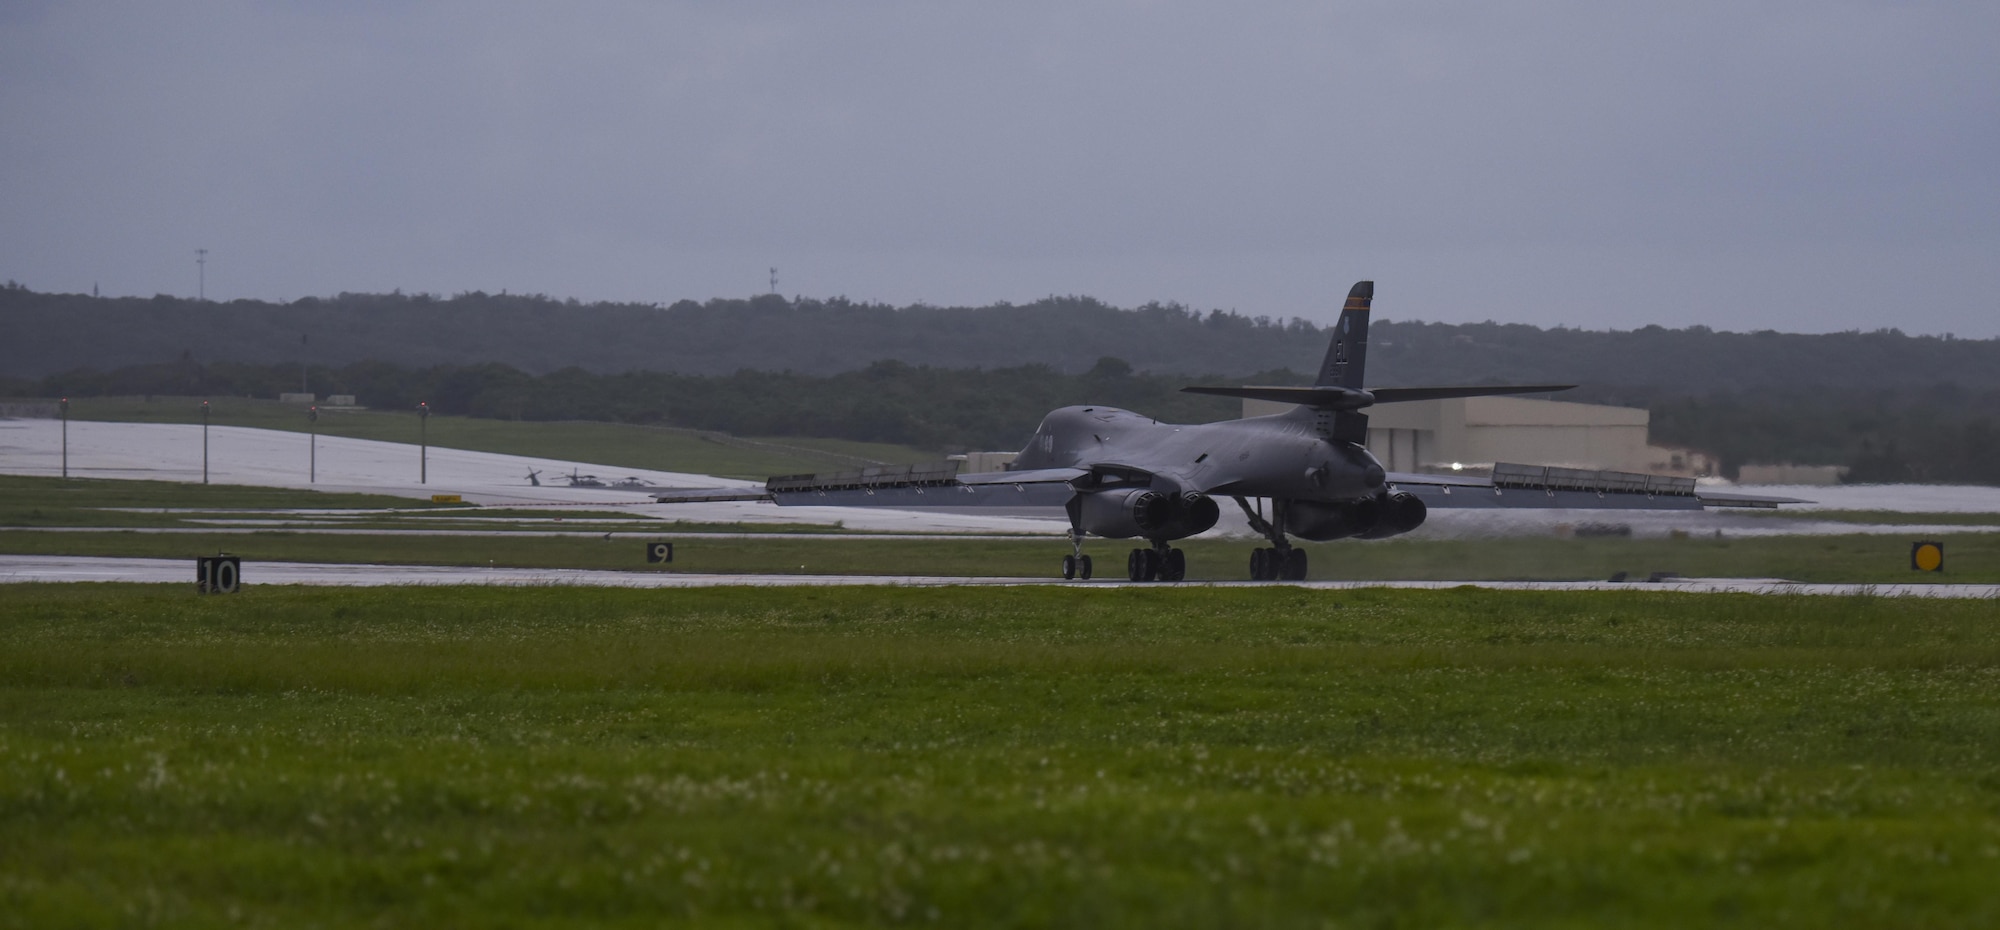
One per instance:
(204, 442)
(423, 442)
(65, 431)
(312, 456)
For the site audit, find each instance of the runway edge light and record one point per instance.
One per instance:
(1927, 556)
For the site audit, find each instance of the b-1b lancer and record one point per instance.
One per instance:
(1124, 475)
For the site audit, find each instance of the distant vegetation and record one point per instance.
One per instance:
(1890, 406)
(51, 333)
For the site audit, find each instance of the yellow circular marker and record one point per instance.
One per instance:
(1927, 556)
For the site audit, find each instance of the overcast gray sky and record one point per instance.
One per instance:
(1803, 166)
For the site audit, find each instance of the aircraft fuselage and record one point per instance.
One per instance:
(1281, 456)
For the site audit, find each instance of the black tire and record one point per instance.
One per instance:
(1083, 567)
(1256, 565)
(1135, 565)
(1153, 564)
(1175, 568)
(1295, 565)
(1069, 567)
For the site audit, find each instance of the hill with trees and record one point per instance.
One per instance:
(51, 333)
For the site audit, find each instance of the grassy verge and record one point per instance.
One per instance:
(35, 501)
(1063, 757)
(1970, 558)
(624, 445)
(30, 502)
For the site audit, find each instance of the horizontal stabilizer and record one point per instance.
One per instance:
(1344, 398)
(1321, 398)
(1402, 395)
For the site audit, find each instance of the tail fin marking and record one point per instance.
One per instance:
(1347, 355)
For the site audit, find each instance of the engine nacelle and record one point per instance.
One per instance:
(1367, 518)
(1401, 513)
(1321, 522)
(1128, 512)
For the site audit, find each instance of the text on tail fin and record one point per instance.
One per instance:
(1347, 354)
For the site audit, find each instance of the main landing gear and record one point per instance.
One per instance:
(1160, 563)
(1279, 562)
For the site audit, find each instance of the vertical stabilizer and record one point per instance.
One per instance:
(1347, 355)
(1346, 364)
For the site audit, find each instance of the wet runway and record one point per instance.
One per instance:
(27, 568)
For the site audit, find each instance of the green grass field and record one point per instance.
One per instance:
(620, 444)
(1049, 756)
(1971, 558)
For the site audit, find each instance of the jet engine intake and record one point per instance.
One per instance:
(1128, 512)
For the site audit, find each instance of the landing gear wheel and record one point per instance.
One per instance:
(1083, 567)
(1295, 565)
(1257, 564)
(1153, 564)
(1135, 565)
(1175, 567)
(1069, 567)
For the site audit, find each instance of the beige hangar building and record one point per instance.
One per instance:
(1475, 432)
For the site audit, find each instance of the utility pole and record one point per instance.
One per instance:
(774, 279)
(65, 431)
(201, 273)
(423, 442)
(312, 457)
(204, 442)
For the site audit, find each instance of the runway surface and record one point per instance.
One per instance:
(24, 568)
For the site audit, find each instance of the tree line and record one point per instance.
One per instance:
(50, 333)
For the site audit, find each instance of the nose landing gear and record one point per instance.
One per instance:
(1076, 564)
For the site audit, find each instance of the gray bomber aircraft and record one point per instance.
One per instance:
(1124, 475)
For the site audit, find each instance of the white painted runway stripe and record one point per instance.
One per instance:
(35, 568)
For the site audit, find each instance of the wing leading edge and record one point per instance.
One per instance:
(1542, 486)
(901, 487)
